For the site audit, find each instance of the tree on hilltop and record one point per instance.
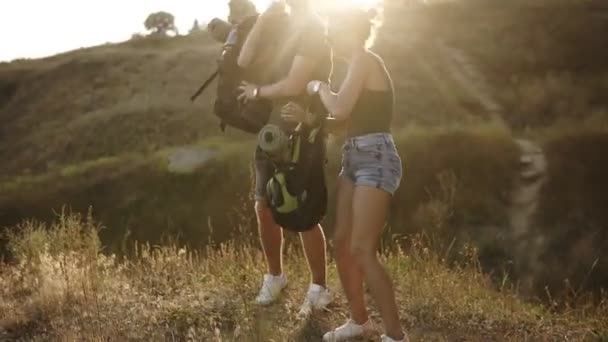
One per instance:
(160, 23)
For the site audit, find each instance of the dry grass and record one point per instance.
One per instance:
(61, 289)
(100, 140)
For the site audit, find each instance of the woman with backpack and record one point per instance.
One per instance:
(371, 170)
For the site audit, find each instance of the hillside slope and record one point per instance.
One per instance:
(110, 116)
(104, 101)
(104, 127)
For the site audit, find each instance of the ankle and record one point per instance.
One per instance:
(317, 286)
(275, 272)
(360, 319)
(400, 338)
(275, 275)
(319, 282)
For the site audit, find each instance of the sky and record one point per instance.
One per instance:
(39, 28)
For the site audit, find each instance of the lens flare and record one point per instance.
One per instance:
(356, 3)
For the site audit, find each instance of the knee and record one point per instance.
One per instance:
(341, 242)
(362, 253)
(263, 214)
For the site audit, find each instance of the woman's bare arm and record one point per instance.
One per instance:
(340, 105)
(332, 125)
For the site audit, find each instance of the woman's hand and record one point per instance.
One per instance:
(314, 87)
(292, 112)
(249, 91)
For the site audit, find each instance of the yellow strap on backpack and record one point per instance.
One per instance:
(290, 203)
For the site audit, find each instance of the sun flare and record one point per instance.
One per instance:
(356, 3)
(262, 4)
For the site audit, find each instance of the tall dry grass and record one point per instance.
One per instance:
(63, 288)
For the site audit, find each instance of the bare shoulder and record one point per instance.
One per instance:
(362, 60)
(375, 59)
(377, 72)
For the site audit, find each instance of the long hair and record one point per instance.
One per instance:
(364, 24)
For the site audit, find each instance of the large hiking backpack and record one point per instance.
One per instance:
(253, 115)
(297, 190)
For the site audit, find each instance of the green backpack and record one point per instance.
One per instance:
(297, 190)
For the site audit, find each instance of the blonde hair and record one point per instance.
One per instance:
(363, 23)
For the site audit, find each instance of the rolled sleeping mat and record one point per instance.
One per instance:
(273, 141)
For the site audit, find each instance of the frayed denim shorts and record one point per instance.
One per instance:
(372, 160)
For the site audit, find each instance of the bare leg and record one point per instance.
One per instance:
(370, 207)
(351, 275)
(313, 242)
(271, 236)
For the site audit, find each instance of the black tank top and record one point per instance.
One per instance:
(373, 111)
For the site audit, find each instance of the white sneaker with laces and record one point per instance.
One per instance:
(388, 339)
(317, 298)
(348, 330)
(271, 288)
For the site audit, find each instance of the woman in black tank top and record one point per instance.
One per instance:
(371, 170)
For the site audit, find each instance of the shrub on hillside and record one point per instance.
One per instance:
(137, 36)
(541, 101)
(456, 183)
(550, 63)
(460, 175)
(572, 220)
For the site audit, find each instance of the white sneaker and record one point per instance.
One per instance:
(388, 339)
(317, 298)
(271, 288)
(348, 330)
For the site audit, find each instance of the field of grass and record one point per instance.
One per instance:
(95, 129)
(62, 288)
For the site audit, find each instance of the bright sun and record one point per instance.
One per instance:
(357, 3)
(262, 4)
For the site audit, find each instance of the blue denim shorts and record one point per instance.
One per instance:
(372, 160)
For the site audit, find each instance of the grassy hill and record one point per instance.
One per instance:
(105, 128)
(96, 127)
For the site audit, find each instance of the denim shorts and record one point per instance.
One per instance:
(372, 160)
